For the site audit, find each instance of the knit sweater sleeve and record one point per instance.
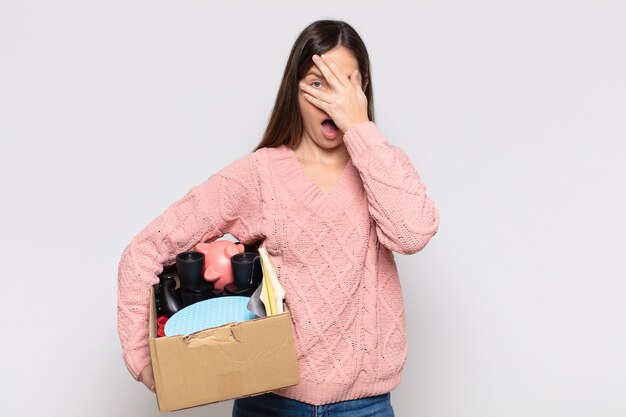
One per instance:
(406, 218)
(228, 202)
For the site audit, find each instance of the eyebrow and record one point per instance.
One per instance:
(315, 73)
(318, 75)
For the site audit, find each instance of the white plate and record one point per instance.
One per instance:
(213, 312)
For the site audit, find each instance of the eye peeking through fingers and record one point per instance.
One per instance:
(316, 84)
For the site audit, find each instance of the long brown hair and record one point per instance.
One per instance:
(285, 124)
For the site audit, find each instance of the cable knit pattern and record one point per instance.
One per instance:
(332, 253)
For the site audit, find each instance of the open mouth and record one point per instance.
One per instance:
(330, 129)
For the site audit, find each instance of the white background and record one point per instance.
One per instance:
(514, 112)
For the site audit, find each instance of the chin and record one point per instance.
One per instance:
(331, 144)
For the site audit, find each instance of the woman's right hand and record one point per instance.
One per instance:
(147, 377)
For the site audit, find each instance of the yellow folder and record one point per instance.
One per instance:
(272, 293)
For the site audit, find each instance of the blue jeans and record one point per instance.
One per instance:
(272, 405)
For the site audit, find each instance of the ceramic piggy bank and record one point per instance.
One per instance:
(217, 254)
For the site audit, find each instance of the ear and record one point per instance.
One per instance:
(211, 275)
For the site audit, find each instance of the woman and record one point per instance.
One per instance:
(330, 199)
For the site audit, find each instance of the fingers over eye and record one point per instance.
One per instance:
(307, 88)
(326, 71)
(314, 91)
(334, 68)
(355, 78)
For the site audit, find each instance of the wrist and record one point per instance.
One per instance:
(356, 122)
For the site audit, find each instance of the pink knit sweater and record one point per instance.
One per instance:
(332, 253)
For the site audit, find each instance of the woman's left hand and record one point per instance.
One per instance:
(344, 101)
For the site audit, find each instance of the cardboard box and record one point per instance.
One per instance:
(222, 363)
